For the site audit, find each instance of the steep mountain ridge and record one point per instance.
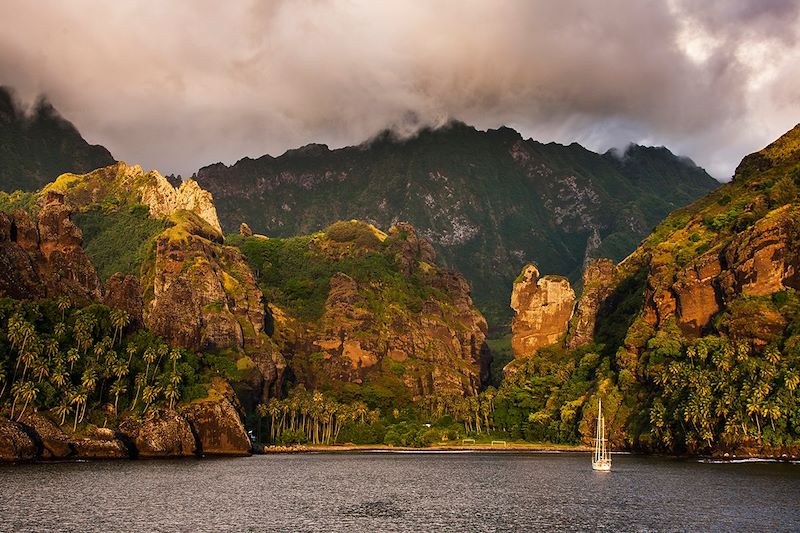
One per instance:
(488, 201)
(353, 305)
(691, 341)
(37, 147)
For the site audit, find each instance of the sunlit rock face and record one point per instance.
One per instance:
(598, 281)
(542, 309)
(41, 255)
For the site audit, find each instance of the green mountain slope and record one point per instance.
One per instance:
(696, 338)
(357, 311)
(488, 201)
(36, 148)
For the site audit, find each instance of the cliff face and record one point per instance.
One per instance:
(204, 297)
(194, 291)
(487, 201)
(386, 315)
(42, 256)
(542, 310)
(36, 147)
(121, 184)
(699, 324)
(598, 284)
(759, 261)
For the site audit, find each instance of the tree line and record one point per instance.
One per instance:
(70, 361)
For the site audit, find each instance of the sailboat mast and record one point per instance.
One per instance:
(602, 436)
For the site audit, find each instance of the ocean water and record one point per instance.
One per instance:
(366, 492)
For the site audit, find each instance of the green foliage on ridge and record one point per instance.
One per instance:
(38, 146)
(489, 201)
(103, 241)
(295, 273)
(733, 387)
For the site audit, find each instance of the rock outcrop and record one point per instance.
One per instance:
(434, 356)
(15, 443)
(542, 310)
(42, 257)
(101, 446)
(163, 433)
(411, 248)
(125, 293)
(212, 426)
(164, 199)
(598, 281)
(759, 261)
(217, 422)
(408, 324)
(205, 298)
(121, 183)
(55, 444)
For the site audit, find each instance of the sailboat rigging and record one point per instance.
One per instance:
(601, 459)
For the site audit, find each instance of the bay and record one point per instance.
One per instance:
(418, 491)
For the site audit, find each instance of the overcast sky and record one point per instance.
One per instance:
(177, 85)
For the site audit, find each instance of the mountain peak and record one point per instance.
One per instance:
(785, 149)
(39, 145)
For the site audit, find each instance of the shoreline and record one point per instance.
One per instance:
(511, 448)
(349, 448)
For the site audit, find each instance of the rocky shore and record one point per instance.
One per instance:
(202, 428)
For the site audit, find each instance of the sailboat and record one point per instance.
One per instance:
(601, 460)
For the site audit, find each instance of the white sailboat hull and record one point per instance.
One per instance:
(602, 466)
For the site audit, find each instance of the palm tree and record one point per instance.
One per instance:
(89, 379)
(120, 369)
(149, 357)
(140, 380)
(172, 393)
(40, 370)
(28, 357)
(17, 391)
(117, 388)
(273, 408)
(20, 331)
(62, 410)
(88, 382)
(131, 350)
(261, 412)
(120, 320)
(27, 392)
(149, 395)
(174, 356)
(63, 304)
(51, 348)
(3, 379)
(162, 350)
(59, 376)
(78, 397)
(73, 356)
(59, 330)
(82, 332)
(361, 410)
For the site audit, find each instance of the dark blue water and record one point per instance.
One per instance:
(368, 492)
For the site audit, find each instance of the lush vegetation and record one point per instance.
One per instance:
(82, 365)
(102, 228)
(295, 273)
(733, 385)
(36, 147)
(489, 200)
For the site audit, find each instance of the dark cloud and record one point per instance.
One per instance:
(178, 85)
